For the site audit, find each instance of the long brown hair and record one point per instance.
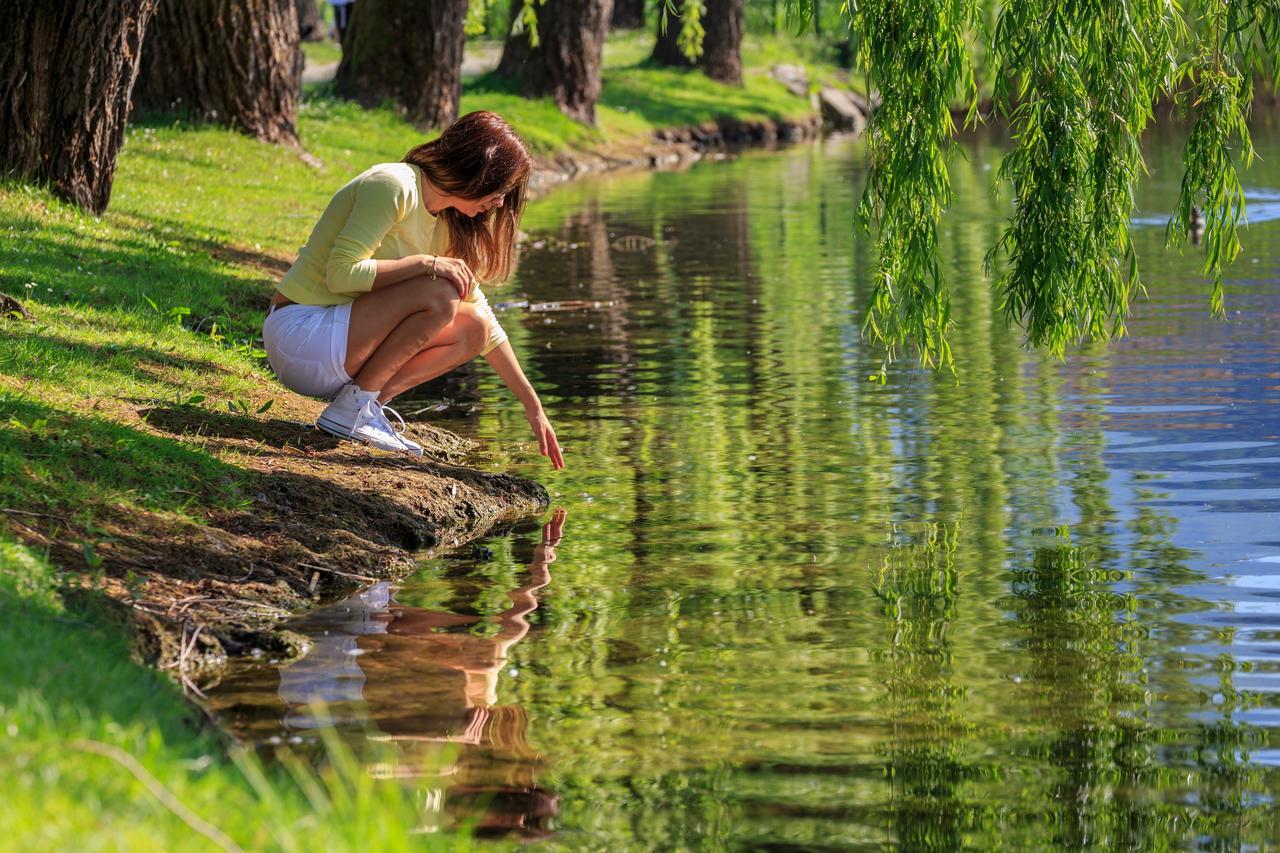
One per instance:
(477, 156)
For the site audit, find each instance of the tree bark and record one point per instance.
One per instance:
(408, 52)
(66, 72)
(722, 23)
(627, 15)
(232, 62)
(666, 49)
(566, 63)
(310, 24)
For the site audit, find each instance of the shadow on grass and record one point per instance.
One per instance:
(68, 464)
(105, 267)
(74, 662)
(39, 352)
(274, 432)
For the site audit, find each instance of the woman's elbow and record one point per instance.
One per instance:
(342, 276)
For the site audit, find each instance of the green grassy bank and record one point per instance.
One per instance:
(158, 303)
(637, 99)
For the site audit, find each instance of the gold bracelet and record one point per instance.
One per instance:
(434, 258)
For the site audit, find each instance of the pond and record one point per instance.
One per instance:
(1037, 604)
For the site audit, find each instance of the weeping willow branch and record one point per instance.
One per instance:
(1238, 39)
(526, 20)
(914, 52)
(691, 31)
(1078, 79)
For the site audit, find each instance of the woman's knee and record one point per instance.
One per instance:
(440, 300)
(473, 329)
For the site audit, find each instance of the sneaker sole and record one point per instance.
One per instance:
(334, 428)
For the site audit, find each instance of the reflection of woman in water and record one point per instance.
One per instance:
(430, 687)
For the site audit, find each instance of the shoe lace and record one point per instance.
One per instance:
(387, 410)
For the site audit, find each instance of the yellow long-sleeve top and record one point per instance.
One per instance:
(379, 215)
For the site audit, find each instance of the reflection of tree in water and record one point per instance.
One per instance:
(424, 682)
(919, 589)
(1124, 776)
(1109, 748)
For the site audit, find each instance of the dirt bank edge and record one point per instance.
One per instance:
(311, 519)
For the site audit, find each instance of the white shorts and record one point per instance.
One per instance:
(307, 347)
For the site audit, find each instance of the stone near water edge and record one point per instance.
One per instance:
(840, 111)
(794, 77)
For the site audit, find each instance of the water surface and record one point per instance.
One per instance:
(1035, 606)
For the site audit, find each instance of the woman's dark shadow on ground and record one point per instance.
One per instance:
(444, 449)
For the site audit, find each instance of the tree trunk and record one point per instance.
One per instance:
(232, 62)
(627, 15)
(408, 52)
(66, 71)
(310, 24)
(566, 63)
(666, 50)
(722, 23)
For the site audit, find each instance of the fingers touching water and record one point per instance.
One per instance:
(548, 446)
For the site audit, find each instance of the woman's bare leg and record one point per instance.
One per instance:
(391, 325)
(455, 345)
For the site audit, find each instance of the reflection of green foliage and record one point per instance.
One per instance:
(1090, 669)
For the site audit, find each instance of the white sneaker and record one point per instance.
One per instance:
(411, 445)
(355, 414)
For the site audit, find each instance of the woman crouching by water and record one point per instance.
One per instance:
(385, 294)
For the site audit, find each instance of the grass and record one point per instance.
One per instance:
(159, 302)
(321, 52)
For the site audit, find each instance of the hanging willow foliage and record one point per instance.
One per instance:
(914, 53)
(1236, 40)
(1078, 81)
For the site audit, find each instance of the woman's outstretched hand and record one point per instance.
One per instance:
(453, 270)
(547, 444)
